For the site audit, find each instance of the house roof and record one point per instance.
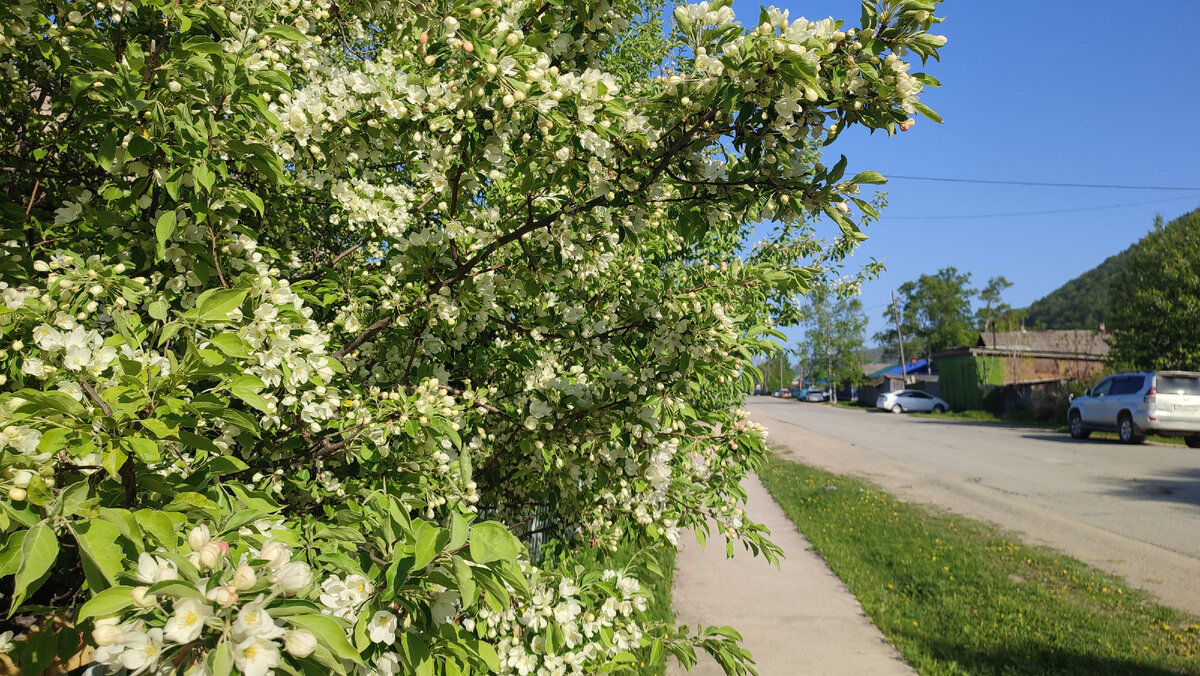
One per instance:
(1059, 342)
(914, 366)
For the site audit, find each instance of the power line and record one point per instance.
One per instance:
(887, 217)
(1043, 184)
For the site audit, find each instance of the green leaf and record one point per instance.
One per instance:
(10, 553)
(217, 305)
(158, 525)
(103, 558)
(81, 83)
(71, 499)
(38, 652)
(38, 552)
(232, 345)
(107, 602)
(927, 112)
(426, 547)
(145, 449)
(163, 231)
(488, 654)
(108, 150)
(202, 44)
(158, 309)
(491, 541)
(467, 588)
(220, 661)
(329, 633)
(416, 653)
(285, 33)
(139, 146)
(869, 177)
(249, 396)
(225, 464)
(176, 589)
(458, 532)
(112, 459)
(204, 176)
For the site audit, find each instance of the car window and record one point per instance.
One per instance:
(1103, 388)
(920, 395)
(1127, 384)
(1177, 384)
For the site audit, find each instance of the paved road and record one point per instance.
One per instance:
(1131, 510)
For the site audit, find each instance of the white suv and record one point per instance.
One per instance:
(1136, 404)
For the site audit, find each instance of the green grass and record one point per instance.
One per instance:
(957, 596)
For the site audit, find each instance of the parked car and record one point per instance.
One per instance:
(1136, 404)
(911, 400)
(816, 395)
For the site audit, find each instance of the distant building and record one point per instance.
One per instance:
(882, 378)
(1021, 362)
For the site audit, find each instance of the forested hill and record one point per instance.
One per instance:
(1082, 302)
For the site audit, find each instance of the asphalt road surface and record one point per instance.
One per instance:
(1130, 510)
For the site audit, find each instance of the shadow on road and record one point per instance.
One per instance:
(1065, 438)
(1181, 487)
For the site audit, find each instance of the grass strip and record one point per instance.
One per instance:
(958, 596)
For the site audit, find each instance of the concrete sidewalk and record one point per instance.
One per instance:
(799, 619)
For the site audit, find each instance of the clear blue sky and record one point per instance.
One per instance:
(1060, 91)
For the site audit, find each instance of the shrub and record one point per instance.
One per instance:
(308, 307)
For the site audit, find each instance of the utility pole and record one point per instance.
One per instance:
(900, 338)
(829, 364)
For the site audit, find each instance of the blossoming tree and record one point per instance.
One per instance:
(315, 313)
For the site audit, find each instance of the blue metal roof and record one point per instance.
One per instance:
(918, 366)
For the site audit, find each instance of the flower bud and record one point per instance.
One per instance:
(198, 537)
(293, 577)
(244, 578)
(222, 596)
(106, 634)
(299, 643)
(22, 478)
(275, 553)
(210, 555)
(141, 599)
(17, 494)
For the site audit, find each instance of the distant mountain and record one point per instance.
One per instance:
(1083, 302)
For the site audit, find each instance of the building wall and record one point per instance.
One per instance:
(966, 379)
(960, 378)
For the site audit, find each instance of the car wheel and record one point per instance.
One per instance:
(939, 409)
(896, 408)
(1075, 424)
(1192, 441)
(1127, 432)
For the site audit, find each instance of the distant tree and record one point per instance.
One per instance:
(935, 314)
(1155, 300)
(778, 372)
(835, 332)
(995, 314)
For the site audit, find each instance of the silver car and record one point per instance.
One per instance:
(910, 400)
(1136, 404)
